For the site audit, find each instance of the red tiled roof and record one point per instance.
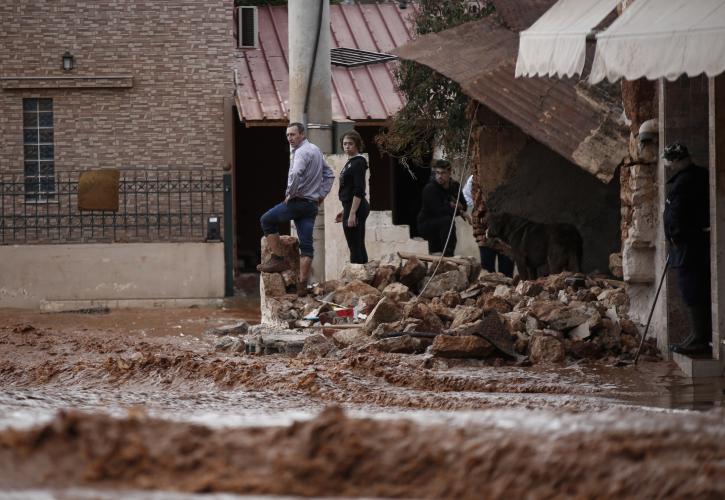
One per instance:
(361, 93)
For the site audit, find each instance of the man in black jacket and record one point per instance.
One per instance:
(687, 225)
(438, 208)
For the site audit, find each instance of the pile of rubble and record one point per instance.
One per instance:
(401, 305)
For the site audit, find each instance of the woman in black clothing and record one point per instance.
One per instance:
(355, 208)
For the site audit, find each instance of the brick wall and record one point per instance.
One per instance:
(179, 55)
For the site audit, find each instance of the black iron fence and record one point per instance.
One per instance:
(154, 206)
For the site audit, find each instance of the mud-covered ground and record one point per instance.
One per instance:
(138, 403)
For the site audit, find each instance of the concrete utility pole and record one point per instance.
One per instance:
(310, 90)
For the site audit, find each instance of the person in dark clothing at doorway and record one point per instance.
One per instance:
(438, 208)
(687, 225)
(355, 208)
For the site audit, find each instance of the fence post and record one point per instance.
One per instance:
(228, 243)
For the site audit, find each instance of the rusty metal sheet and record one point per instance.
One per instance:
(578, 121)
(98, 190)
(361, 93)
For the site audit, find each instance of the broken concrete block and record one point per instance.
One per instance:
(350, 336)
(638, 264)
(467, 346)
(272, 285)
(384, 276)
(529, 288)
(405, 344)
(412, 272)
(316, 346)
(581, 332)
(440, 283)
(443, 312)
(238, 328)
(386, 311)
(494, 303)
(493, 279)
(348, 294)
(463, 315)
(451, 298)
(507, 293)
(360, 272)
(430, 320)
(544, 348)
(496, 331)
(558, 316)
(397, 292)
(614, 297)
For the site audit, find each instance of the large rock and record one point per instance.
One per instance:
(451, 298)
(493, 279)
(559, 316)
(441, 283)
(404, 344)
(397, 292)
(468, 346)
(348, 294)
(491, 302)
(585, 350)
(316, 346)
(545, 348)
(386, 311)
(508, 294)
(475, 328)
(430, 320)
(412, 272)
(443, 312)
(529, 288)
(350, 336)
(384, 276)
(614, 297)
(495, 330)
(463, 315)
(360, 272)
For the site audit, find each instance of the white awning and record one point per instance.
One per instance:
(556, 43)
(662, 38)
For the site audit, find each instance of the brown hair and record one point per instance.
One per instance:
(444, 164)
(355, 136)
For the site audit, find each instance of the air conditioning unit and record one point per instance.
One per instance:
(248, 27)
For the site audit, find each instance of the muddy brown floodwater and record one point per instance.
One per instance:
(138, 404)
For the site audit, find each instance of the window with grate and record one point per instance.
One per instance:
(38, 149)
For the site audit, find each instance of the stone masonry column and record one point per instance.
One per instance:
(315, 92)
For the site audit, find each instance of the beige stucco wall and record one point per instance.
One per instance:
(381, 235)
(30, 274)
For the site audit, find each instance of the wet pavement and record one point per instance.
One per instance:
(143, 365)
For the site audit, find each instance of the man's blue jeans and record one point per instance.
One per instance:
(302, 211)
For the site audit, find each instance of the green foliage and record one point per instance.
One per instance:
(435, 106)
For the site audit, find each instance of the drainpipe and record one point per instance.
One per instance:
(310, 89)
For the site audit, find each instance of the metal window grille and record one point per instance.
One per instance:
(154, 206)
(38, 149)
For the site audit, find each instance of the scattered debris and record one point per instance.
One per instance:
(397, 305)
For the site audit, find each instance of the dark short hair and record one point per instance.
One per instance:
(300, 128)
(444, 164)
(356, 138)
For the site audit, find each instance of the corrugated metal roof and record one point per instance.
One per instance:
(576, 120)
(518, 15)
(361, 93)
